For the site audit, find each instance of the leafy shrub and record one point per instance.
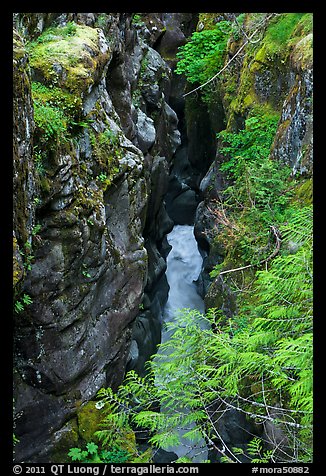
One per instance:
(92, 454)
(257, 363)
(259, 191)
(203, 55)
(50, 122)
(137, 19)
(55, 113)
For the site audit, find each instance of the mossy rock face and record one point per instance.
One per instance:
(88, 419)
(67, 437)
(72, 57)
(302, 55)
(266, 73)
(220, 296)
(208, 21)
(18, 267)
(304, 193)
(23, 126)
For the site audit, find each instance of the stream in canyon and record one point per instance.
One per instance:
(184, 264)
(183, 267)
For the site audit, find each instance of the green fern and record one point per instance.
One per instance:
(92, 454)
(265, 364)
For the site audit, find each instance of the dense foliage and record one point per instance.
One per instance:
(202, 56)
(259, 190)
(211, 365)
(92, 454)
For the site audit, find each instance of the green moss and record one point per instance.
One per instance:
(69, 438)
(282, 34)
(45, 185)
(208, 20)
(304, 26)
(287, 35)
(302, 55)
(284, 28)
(87, 199)
(303, 193)
(18, 268)
(88, 420)
(69, 104)
(107, 152)
(67, 60)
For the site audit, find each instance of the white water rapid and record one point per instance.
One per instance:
(183, 267)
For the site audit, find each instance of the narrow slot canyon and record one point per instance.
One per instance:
(162, 190)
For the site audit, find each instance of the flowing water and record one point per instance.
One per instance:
(183, 267)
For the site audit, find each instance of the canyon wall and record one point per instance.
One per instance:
(94, 136)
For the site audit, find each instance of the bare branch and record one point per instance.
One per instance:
(271, 256)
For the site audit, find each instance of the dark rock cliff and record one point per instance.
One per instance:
(89, 215)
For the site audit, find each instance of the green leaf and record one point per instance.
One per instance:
(19, 307)
(92, 448)
(75, 454)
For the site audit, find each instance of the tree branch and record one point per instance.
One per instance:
(271, 256)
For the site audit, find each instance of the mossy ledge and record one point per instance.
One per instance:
(70, 57)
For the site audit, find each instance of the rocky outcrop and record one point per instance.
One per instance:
(24, 184)
(273, 77)
(89, 262)
(90, 179)
(293, 143)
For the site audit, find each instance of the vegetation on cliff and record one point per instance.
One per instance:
(259, 362)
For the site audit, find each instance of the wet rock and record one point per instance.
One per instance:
(178, 26)
(102, 220)
(24, 181)
(90, 266)
(293, 143)
(183, 206)
(162, 456)
(145, 130)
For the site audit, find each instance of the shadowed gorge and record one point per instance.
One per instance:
(162, 237)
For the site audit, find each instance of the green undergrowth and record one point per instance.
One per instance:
(57, 113)
(202, 56)
(263, 76)
(105, 439)
(107, 153)
(92, 454)
(266, 56)
(259, 190)
(259, 363)
(285, 30)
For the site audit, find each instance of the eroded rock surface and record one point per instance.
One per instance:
(89, 187)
